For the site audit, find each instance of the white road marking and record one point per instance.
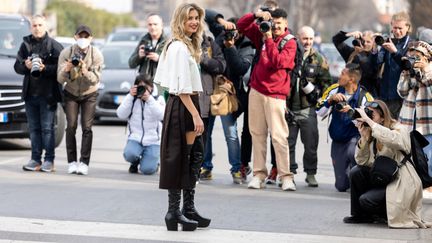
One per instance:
(150, 232)
(8, 161)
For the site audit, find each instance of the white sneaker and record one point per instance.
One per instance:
(256, 183)
(73, 167)
(288, 184)
(82, 169)
(427, 194)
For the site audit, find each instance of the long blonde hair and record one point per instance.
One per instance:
(178, 28)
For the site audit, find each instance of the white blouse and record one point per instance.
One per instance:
(177, 70)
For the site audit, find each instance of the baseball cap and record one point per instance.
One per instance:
(83, 28)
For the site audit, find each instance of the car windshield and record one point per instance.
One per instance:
(117, 57)
(126, 36)
(11, 34)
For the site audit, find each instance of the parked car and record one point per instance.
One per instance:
(117, 78)
(335, 60)
(126, 34)
(13, 119)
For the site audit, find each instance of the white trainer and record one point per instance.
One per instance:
(73, 167)
(82, 169)
(256, 183)
(288, 184)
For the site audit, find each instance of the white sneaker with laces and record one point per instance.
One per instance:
(288, 184)
(82, 169)
(72, 167)
(256, 183)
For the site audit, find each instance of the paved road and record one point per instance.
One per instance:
(110, 205)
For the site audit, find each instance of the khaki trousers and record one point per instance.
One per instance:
(267, 114)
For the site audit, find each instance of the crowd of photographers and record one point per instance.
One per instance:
(281, 83)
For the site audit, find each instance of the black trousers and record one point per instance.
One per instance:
(73, 105)
(365, 199)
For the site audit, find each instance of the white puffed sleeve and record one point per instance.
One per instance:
(177, 70)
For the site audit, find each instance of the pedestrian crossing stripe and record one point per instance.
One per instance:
(151, 232)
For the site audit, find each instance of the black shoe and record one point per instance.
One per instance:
(358, 220)
(189, 210)
(133, 169)
(174, 216)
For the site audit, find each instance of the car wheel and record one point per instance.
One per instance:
(59, 125)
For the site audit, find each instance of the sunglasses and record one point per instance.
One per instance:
(374, 105)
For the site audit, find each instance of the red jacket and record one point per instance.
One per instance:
(269, 76)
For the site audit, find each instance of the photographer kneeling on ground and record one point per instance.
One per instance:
(145, 114)
(400, 201)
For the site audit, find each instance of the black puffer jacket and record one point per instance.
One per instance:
(49, 51)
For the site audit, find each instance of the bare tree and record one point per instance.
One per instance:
(420, 13)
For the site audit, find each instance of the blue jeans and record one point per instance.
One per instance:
(40, 117)
(342, 155)
(146, 156)
(229, 125)
(428, 152)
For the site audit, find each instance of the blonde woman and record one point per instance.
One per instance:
(182, 145)
(359, 53)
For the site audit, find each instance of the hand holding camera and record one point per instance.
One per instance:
(140, 92)
(36, 65)
(264, 21)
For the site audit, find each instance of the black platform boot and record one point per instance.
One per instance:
(189, 210)
(195, 159)
(174, 215)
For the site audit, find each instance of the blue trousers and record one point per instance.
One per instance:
(229, 125)
(40, 118)
(146, 156)
(342, 155)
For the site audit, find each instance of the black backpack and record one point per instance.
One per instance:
(418, 158)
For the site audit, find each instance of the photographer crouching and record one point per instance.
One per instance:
(144, 113)
(415, 87)
(376, 196)
(340, 100)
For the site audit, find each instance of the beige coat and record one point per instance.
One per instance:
(404, 194)
(76, 83)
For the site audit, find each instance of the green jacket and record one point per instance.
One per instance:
(147, 66)
(320, 77)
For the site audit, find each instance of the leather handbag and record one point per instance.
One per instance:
(384, 170)
(223, 101)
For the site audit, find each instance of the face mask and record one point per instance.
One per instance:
(83, 43)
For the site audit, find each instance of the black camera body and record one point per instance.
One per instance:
(352, 113)
(358, 42)
(149, 48)
(230, 35)
(36, 62)
(381, 39)
(76, 59)
(265, 26)
(141, 89)
(407, 64)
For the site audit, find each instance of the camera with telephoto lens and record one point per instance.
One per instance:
(76, 58)
(381, 39)
(358, 42)
(149, 48)
(230, 34)
(36, 62)
(265, 26)
(308, 88)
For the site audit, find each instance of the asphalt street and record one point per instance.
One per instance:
(111, 205)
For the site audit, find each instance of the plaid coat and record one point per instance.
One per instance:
(418, 100)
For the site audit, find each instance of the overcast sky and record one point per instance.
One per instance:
(123, 6)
